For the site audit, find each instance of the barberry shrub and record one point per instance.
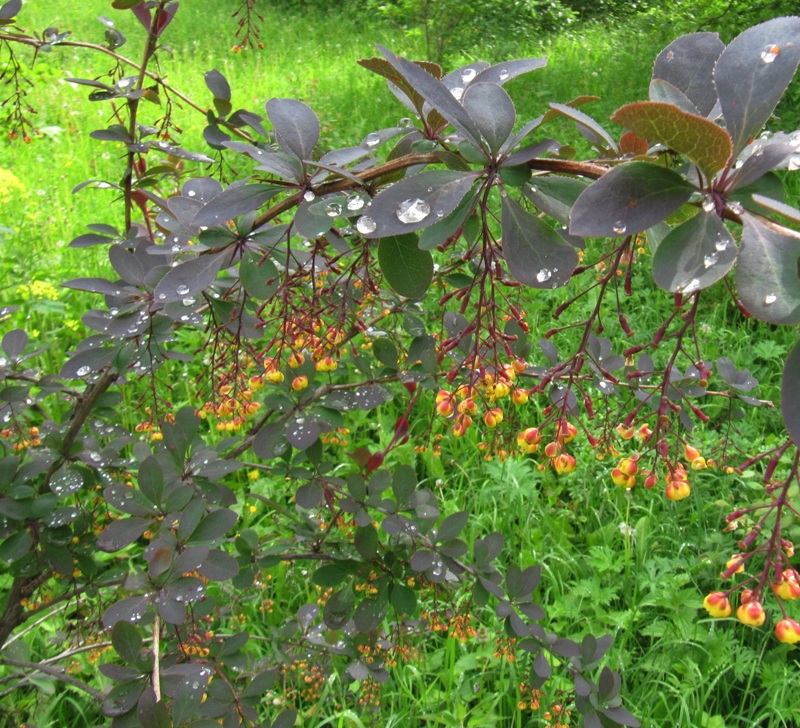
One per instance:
(323, 284)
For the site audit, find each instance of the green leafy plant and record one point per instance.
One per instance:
(324, 284)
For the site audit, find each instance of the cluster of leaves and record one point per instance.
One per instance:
(312, 278)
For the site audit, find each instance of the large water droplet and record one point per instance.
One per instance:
(544, 275)
(794, 163)
(468, 74)
(188, 301)
(333, 209)
(309, 196)
(710, 260)
(366, 225)
(405, 123)
(708, 203)
(372, 139)
(457, 92)
(413, 211)
(84, 371)
(182, 289)
(619, 227)
(770, 53)
(690, 286)
(722, 244)
(355, 202)
(770, 299)
(504, 75)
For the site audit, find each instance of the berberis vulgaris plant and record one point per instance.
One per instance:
(323, 282)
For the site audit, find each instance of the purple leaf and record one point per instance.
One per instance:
(628, 199)
(687, 64)
(767, 273)
(694, 255)
(753, 72)
(536, 255)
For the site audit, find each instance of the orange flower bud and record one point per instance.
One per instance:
(519, 396)
(299, 383)
(788, 587)
(752, 613)
(564, 463)
(644, 433)
(274, 375)
(717, 605)
(493, 417)
(691, 453)
(626, 433)
(565, 432)
(737, 562)
(551, 449)
(528, 440)
(699, 463)
(650, 481)
(678, 490)
(255, 383)
(327, 364)
(295, 360)
(468, 407)
(788, 631)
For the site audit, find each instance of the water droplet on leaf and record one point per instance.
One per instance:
(333, 209)
(309, 196)
(372, 139)
(619, 227)
(413, 211)
(355, 202)
(366, 225)
(468, 74)
(770, 299)
(457, 92)
(543, 275)
(710, 260)
(770, 53)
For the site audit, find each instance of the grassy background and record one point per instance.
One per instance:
(643, 583)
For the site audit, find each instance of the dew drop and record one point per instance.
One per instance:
(191, 193)
(794, 163)
(333, 209)
(710, 260)
(770, 53)
(457, 92)
(670, 55)
(372, 139)
(736, 207)
(544, 275)
(405, 123)
(690, 286)
(468, 74)
(619, 227)
(366, 225)
(182, 289)
(708, 203)
(504, 75)
(355, 202)
(412, 211)
(770, 299)
(84, 371)
(309, 196)
(721, 245)
(188, 301)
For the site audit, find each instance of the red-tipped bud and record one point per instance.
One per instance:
(752, 613)
(678, 490)
(788, 631)
(717, 605)
(564, 463)
(551, 449)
